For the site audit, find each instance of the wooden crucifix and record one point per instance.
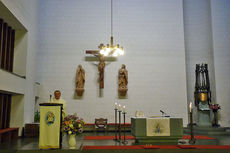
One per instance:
(101, 69)
(101, 66)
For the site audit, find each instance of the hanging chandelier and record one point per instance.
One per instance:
(111, 49)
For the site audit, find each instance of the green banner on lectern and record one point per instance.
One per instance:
(50, 123)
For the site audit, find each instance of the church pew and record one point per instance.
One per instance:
(8, 134)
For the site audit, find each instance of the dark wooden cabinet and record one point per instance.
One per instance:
(31, 130)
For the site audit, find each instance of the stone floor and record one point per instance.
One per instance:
(32, 143)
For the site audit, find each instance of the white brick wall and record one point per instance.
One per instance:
(151, 32)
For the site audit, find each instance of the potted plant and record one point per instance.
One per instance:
(37, 116)
(72, 125)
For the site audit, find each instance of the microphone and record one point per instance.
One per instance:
(163, 113)
(50, 97)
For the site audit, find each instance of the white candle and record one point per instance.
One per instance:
(116, 105)
(124, 109)
(190, 107)
(119, 107)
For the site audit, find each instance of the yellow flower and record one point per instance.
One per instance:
(69, 132)
(71, 125)
(79, 125)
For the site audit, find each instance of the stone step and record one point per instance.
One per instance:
(208, 130)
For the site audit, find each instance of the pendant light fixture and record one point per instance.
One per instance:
(111, 49)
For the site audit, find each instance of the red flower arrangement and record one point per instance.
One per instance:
(215, 106)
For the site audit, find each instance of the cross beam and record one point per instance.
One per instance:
(93, 52)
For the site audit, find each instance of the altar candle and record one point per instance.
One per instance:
(119, 107)
(190, 107)
(124, 109)
(116, 105)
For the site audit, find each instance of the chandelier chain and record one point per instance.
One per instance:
(111, 18)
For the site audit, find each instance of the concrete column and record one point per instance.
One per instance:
(198, 42)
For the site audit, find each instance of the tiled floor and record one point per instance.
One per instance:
(32, 143)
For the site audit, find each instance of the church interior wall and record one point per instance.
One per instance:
(198, 44)
(151, 33)
(12, 83)
(17, 112)
(53, 35)
(23, 16)
(221, 39)
(20, 52)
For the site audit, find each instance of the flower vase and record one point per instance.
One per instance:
(72, 141)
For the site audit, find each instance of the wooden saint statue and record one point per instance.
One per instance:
(101, 68)
(80, 80)
(122, 80)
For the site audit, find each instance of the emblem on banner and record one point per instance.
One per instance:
(157, 129)
(50, 118)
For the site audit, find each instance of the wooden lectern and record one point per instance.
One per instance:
(50, 136)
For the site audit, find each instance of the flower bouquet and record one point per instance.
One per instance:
(73, 124)
(215, 107)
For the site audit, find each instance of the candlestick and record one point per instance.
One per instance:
(192, 139)
(119, 107)
(115, 122)
(124, 109)
(119, 111)
(190, 107)
(116, 105)
(124, 141)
